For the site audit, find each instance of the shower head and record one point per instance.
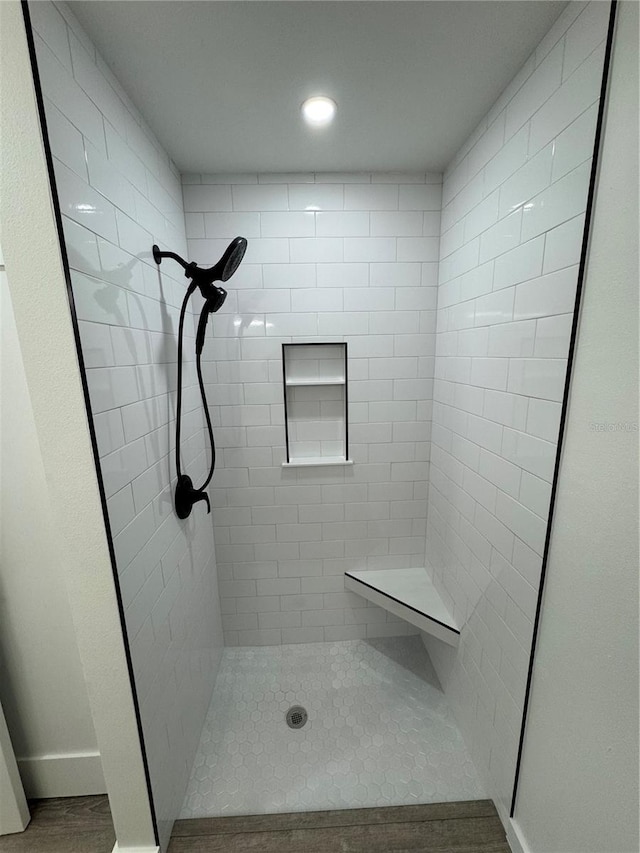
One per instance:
(204, 278)
(231, 260)
(215, 296)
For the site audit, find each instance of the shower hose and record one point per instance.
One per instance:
(186, 493)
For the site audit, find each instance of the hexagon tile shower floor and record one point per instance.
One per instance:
(379, 732)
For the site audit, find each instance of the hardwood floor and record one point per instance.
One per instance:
(65, 825)
(83, 825)
(469, 827)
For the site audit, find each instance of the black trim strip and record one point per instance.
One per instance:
(567, 384)
(346, 401)
(403, 603)
(315, 344)
(85, 390)
(284, 390)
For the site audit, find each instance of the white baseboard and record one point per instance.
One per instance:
(119, 849)
(62, 775)
(515, 838)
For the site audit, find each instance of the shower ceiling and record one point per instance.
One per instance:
(221, 83)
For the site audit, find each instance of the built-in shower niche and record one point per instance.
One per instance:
(316, 404)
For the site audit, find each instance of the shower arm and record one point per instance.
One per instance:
(201, 278)
(158, 256)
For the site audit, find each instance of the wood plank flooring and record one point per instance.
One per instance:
(468, 827)
(83, 825)
(65, 825)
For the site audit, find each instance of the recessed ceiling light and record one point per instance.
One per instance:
(319, 111)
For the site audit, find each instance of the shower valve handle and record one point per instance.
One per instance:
(187, 496)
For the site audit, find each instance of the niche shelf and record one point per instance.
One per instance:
(314, 377)
(408, 593)
(320, 381)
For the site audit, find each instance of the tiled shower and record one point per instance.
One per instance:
(330, 258)
(454, 294)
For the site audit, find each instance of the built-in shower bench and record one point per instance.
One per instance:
(408, 593)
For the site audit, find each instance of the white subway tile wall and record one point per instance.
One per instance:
(119, 193)
(512, 221)
(353, 258)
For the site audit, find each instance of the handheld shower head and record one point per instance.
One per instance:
(186, 495)
(215, 298)
(204, 278)
(222, 271)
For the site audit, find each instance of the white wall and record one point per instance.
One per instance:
(41, 311)
(348, 257)
(579, 782)
(42, 688)
(512, 220)
(119, 193)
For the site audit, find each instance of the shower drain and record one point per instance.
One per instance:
(296, 717)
